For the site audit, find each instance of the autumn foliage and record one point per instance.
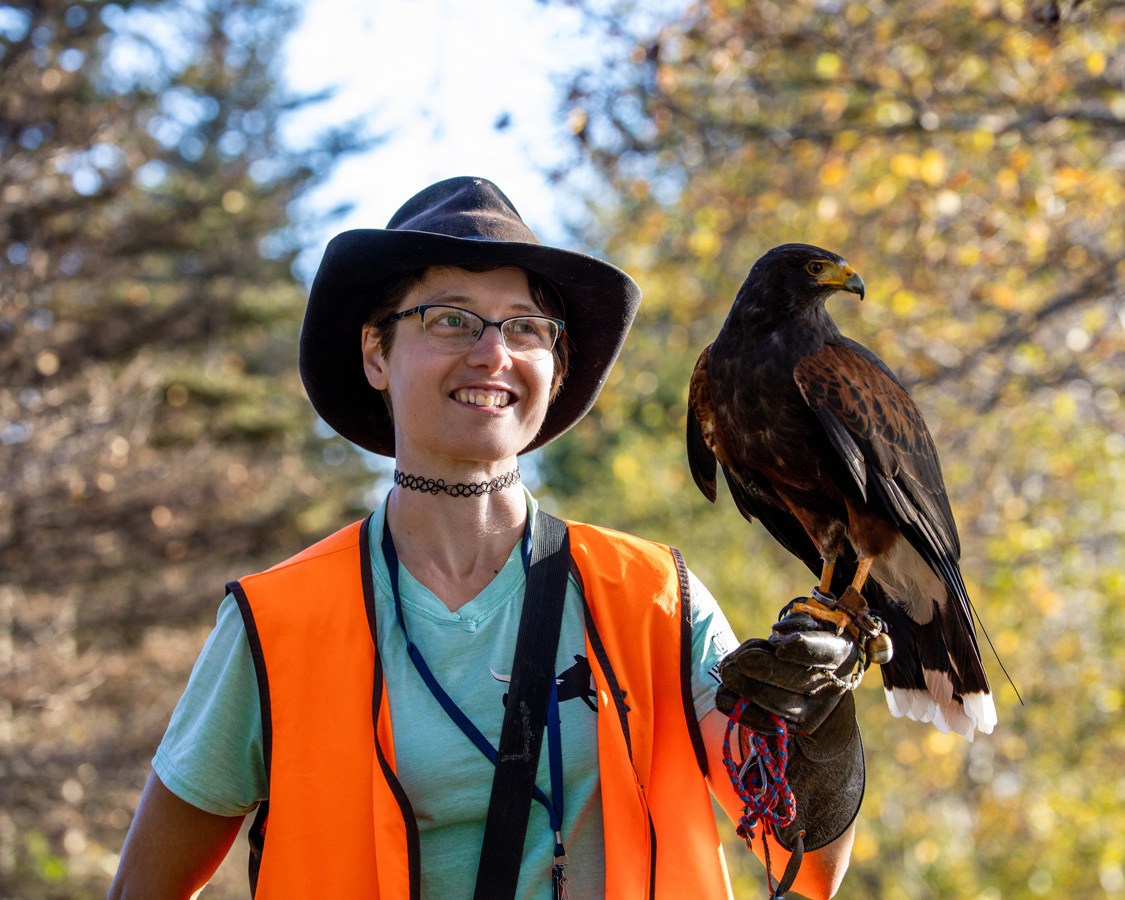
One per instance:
(154, 437)
(966, 158)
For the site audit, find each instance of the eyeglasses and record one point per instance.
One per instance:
(456, 330)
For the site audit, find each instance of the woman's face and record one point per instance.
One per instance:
(468, 411)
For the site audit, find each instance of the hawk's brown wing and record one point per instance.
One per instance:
(753, 497)
(701, 428)
(877, 430)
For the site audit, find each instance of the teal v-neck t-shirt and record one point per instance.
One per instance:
(211, 755)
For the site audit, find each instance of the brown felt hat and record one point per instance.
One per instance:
(458, 222)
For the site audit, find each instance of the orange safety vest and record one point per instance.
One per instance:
(338, 823)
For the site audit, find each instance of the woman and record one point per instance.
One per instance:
(353, 693)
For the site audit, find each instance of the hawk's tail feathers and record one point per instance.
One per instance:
(964, 716)
(936, 674)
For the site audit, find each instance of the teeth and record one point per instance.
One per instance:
(484, 398)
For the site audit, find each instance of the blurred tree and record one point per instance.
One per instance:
(154, 437)
(967, 157)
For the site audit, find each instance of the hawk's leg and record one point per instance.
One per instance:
(850, 613)
(826, 574)
(861, 571)
(822, 611)
(828, 532)
(843, 612)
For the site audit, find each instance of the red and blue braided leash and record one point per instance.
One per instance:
(762, 787)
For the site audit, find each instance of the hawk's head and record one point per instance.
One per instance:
(794, 280)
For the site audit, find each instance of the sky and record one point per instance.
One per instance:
(437, 76)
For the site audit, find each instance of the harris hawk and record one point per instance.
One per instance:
(820, 442)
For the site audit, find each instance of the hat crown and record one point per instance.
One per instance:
(463, 207)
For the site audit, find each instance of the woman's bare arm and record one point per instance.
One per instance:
(821, 870)
(172, 849)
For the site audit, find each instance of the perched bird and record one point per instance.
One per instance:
(820, 442)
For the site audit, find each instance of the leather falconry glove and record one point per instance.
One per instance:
(800, 673)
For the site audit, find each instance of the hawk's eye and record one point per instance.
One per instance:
(815, 268)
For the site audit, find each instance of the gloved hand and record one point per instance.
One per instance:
(799, 673)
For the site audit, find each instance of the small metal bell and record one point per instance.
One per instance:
(880, 649)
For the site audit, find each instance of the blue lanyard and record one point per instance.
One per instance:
(554, 805)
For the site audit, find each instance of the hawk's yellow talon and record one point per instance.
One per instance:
(840, 619)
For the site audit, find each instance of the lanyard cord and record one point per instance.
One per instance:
(554, 804)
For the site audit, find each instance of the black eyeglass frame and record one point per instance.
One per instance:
(499, 326)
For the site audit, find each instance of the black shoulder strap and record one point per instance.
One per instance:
(521, 738)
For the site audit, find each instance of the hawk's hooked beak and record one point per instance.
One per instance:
(842, 278)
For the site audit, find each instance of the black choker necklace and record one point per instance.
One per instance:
(472, 489)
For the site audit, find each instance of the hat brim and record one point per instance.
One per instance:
(600, 302)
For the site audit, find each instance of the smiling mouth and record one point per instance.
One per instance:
(483, 398)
